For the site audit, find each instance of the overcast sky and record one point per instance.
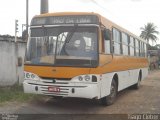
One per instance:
(130, 14)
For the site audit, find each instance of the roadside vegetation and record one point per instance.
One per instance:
(149, 32)
(15, 93)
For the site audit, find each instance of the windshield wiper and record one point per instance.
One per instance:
(71, 33)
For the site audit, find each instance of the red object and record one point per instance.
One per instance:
(53, 89)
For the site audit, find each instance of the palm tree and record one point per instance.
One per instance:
(149, 32)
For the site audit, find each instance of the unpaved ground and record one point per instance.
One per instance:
(129, 101)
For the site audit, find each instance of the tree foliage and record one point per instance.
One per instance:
(149, 32)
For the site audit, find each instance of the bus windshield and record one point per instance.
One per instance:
(63, 46)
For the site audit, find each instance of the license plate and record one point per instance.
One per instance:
(53, 89)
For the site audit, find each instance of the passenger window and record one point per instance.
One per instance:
(137, 47)
(131, 46)
(145, 50)
(107, 41)
(116, 41)
(125, 43)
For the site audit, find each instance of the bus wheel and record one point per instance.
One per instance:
(137, 85)
(110, 99)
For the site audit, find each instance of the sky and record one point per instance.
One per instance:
(130, 14)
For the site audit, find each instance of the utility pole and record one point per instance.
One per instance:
(44, 6)
(16, 29)
(27, 8)
(16, 49)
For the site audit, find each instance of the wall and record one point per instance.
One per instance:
(10, 72)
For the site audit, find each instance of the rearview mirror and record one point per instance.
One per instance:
(107, 34)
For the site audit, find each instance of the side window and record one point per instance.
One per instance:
(145, 49)
(137, 47)
(141, 49)
(144, 54)
(131, 46)
(125, 43)
(107, 42)
(116, 41)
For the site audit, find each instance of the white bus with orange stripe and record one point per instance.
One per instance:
(82, 55)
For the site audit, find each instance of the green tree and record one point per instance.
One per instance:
(149, 32)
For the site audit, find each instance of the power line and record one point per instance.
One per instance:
(100, 6)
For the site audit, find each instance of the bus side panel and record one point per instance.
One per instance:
(130, 77)
(144, 73)
(125, 79)
(106, 84)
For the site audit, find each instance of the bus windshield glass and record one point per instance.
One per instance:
(63, 46)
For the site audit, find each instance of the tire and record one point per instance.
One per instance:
(137, 85)
(110, 99)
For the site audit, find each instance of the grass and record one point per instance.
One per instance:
(15, 93)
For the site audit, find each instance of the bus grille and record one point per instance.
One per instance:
(54, 81)
(62, 92)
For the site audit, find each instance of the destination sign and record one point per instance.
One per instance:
(55, 20)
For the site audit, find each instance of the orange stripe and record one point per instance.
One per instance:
(56, 72)
(118, 63)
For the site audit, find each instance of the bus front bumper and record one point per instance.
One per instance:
(79, 90)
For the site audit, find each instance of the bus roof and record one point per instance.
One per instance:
(103, 20)
(67, 13)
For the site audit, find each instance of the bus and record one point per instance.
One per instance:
(82, 55)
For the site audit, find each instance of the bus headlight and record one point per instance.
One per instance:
(30, 76)
(80, 78)
(87, 78)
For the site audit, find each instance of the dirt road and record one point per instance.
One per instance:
(129, 101)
